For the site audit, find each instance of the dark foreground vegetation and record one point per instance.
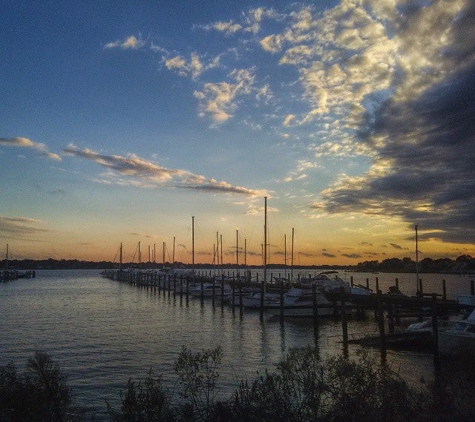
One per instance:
(303, 387)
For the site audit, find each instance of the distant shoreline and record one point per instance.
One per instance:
(463, 265)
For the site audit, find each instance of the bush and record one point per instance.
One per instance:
(304, 387)
(39, 394)
(143, 402)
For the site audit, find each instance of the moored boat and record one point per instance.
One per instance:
(299, 302)
(459, 338)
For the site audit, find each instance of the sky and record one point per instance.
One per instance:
(164, 121)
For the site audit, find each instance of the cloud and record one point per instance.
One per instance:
(27, 143)
(147, 174)
(193, 67)
(421, 134)
(20, 227)
(218, 100)
(351, 255)
(251, 22)
(130, 43)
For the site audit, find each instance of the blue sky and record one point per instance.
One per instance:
(121, 120)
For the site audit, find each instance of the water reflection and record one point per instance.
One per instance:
(102, 332)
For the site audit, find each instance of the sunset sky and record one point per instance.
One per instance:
(120, 120)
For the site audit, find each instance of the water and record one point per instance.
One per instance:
(103, 332)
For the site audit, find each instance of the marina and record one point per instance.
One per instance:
(102, 332)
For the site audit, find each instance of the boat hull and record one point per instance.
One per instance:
(452, 344)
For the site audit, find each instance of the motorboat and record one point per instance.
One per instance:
(328, 282)
(459, 338)
(252, 300)
(210, 289)
(299, 302)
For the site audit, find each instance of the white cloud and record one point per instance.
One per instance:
(193, 67)
(218, 99)
(130, 43)
(27, 143)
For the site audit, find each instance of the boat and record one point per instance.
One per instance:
(427, 326)
(329, 282)
(466, 300)
(299, 303)
(252, 300)
(459, 338)
(210, 289)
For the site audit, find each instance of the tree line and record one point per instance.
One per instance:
(460, 265)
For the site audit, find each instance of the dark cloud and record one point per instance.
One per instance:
(424, 169)
(351, 255)
(20, 227)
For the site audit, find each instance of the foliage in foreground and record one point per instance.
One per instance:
(303, 387)
(39, 394)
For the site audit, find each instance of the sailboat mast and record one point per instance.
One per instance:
(417, 261)
(285, 256)
(217, 249)
(292, 258)
(237, 251)
(245, 252)
(265, 242)
(221, 250)
(173, 258)
(193, 244)
(120, 257)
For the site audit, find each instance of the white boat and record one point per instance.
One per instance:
(209, 289)
(298, 302)
(459, 338)
(329, 282)
(466, 300)
(253, 300)
(426, 326)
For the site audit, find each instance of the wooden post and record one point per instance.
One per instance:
(202, 290)
(421, 288)
(261, 314)
(382, 332)
(282, 300)
(351, 281)
(435, 333)
(391, 316)
(344, 320)
(367, 283)
(222, 292)
(240, 300)
(397, 284)
(315, 304)
(472, 287)
(377, 284)
(213, 294)
(444, 290)
(174, 285)
(233, 297)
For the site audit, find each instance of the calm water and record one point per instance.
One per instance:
(103, 332)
